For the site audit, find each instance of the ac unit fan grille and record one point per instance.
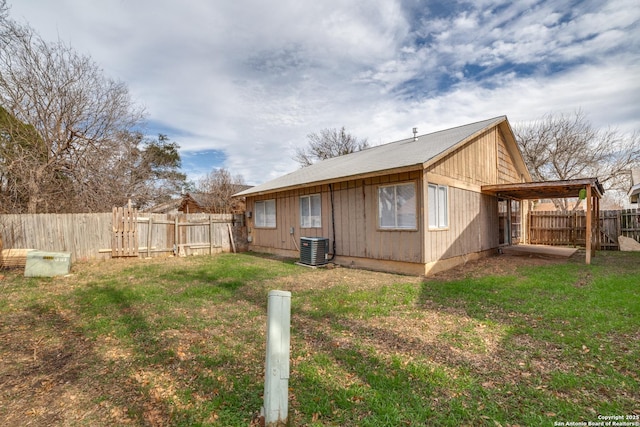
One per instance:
(314, 250)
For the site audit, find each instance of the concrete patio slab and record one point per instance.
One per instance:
(540, 250)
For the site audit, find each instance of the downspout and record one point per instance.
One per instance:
(333, 224)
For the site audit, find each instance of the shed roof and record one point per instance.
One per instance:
(405, 154)
(545, 189)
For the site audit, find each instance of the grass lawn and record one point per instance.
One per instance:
(180, 342)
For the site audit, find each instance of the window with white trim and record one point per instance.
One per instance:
(438, 196)
(265, 213)
(310, 211)
(397, 206)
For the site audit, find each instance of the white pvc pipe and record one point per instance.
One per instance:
(276, 383)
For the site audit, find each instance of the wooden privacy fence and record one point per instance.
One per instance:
(189, 234)
(92, 235)
(569, 228)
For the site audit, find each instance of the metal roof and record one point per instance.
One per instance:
(405, 153)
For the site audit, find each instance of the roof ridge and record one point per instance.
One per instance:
(402, 153)
(411, 138)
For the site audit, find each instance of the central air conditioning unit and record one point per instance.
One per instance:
(314, 250)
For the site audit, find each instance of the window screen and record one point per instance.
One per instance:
(311, 211)
(397, 206)
(266, 213)
(438, 206)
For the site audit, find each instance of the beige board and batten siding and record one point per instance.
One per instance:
(472, 215)
(484, 160)
(392, 245)
(507, 172)
(355, 217)
(472, 219)
(287, 217)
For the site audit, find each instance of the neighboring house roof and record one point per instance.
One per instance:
(406, 153)
(199, 199)
(634, 192)
(167, 207)
(204, 201)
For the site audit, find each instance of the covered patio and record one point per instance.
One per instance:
(586, 188)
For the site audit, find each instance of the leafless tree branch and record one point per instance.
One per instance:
(559, 147)
(216, 190)
(327, 144)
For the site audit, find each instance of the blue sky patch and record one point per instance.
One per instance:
(197, 164)
(154, 127)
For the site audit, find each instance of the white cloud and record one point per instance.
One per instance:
(253, 78)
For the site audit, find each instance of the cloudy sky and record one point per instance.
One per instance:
(240, 83)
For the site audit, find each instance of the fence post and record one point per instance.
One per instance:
(176, 237)
(150, 227)
(210, 235)
(276, 379)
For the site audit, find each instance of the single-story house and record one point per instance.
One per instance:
(414, 206)
(197, 202)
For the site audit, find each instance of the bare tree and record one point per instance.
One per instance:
(4, 10)
(216, 190)
(328, 143)
(78, 114)
(559, 147)
(140, 169)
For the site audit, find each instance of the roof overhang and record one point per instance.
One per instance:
(251, 192)
(545, 189)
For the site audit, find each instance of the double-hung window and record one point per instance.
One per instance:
(397, 206)
(438, 206)
(265, 213)
(311, 211)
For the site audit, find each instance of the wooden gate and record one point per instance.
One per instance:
(124, 238)
(609, 230)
